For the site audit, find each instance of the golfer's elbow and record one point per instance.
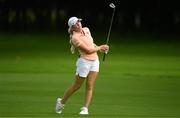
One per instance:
(89, 51)
(92, 50)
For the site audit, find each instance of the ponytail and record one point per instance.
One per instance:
(72, 49)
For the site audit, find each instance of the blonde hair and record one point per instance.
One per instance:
(70, 31)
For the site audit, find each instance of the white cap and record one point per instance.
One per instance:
(73, 20)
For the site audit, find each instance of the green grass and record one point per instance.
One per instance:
(139, 78)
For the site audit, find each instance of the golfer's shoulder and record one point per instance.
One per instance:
(76, 40)
(86, 29)
(75, 37)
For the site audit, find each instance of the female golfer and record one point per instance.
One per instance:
(87, 63)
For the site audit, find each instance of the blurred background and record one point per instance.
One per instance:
(157, 16)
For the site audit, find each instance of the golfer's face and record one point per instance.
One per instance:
(78, 25)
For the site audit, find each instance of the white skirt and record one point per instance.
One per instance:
(84, 66)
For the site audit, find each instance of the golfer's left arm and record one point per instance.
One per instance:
(89, 50)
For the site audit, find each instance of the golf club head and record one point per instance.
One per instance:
(112, 5)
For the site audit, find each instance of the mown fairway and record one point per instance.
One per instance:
(139, 78)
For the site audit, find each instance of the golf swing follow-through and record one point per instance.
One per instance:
(87, 64)
(107, 40)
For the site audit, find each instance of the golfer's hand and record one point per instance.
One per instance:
(104, 48)
(106, 51)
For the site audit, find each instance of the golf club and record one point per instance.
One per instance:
(107, 40)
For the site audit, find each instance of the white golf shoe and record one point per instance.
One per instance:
(59, 106)
(84, 111)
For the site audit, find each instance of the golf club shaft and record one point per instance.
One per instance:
(107, 41)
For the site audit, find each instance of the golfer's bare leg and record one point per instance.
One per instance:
(89, 87)
(73, 88)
